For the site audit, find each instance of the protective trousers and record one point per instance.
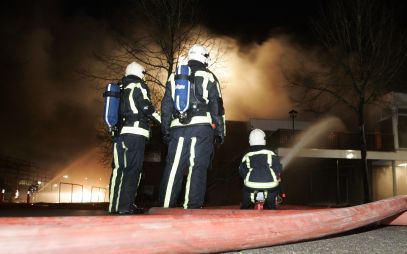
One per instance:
(128, 156)
(269, 203)
(189, 148)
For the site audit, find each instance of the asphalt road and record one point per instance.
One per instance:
(368, 240)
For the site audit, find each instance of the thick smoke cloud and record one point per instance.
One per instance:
(253, 82)
(51, 111)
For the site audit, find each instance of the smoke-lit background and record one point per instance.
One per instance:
(50, 112)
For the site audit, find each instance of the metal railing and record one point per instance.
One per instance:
(72, 185)
(98, 193)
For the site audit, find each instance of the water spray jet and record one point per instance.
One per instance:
(312, 134)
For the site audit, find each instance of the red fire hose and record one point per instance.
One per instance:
(194, 233)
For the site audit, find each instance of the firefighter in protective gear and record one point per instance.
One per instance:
(191, 142)
(260, 169)
(128, 147)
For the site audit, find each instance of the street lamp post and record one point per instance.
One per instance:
(293, 114)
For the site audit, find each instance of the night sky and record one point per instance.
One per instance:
(49, 111)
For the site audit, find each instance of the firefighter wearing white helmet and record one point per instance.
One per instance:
(260, 169)
(190, 132)
(128, 147)
(257, 137)
(135, 69)
(199, 53)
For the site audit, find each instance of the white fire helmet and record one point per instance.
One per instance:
(257, 137)
(199, 53)
(135, 69)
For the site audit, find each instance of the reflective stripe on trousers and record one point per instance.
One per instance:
(128, 155)
(189, 148)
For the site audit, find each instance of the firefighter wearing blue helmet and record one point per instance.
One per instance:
(128, 146)
(260, 169)
(193, 117)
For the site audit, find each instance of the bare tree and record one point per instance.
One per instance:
(363, 50)
(162, 33)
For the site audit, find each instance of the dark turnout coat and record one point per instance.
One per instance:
(260, 168)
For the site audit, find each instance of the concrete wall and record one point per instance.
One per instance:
(382, 182)
(401, 179)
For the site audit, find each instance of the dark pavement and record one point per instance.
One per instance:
(367, 240)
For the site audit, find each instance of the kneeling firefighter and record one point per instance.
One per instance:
(129, 143)
(192, 116)
(260, 169)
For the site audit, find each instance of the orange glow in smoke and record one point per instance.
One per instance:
(252, 81)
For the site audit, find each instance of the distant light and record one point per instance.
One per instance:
(3, 191)
(65, 176)
(402, 165)
(349, 154)
(39, 182)
(86, 178)
(55, 185)
(100, 178)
